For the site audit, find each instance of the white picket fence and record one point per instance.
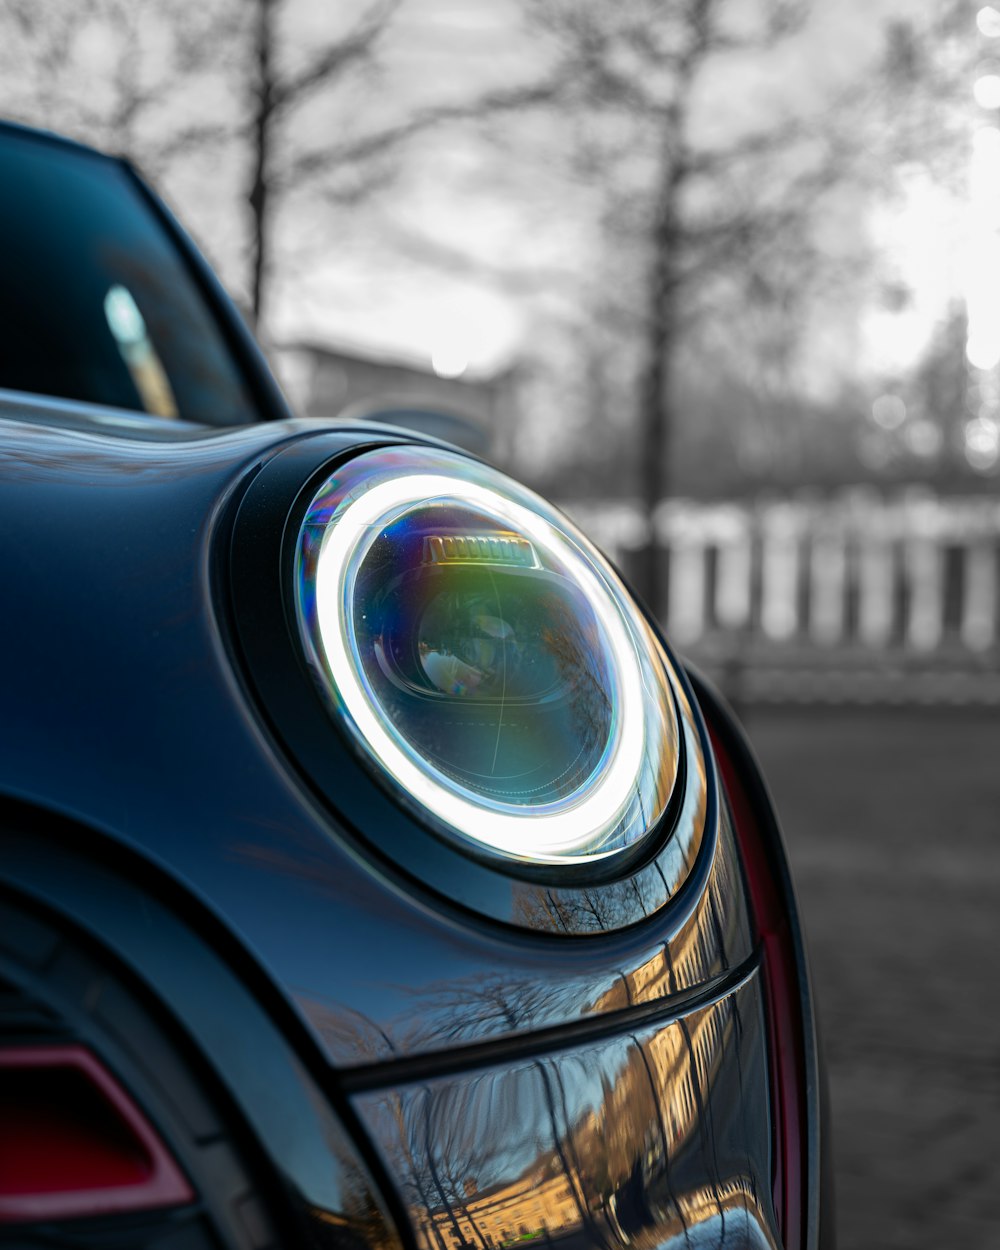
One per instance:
(912, 579)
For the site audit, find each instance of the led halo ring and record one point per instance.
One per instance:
(504, 828)
(351, 523)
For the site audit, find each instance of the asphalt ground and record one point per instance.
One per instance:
(892, 823)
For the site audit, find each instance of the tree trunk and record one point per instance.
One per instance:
(654, 392)
(258, 193)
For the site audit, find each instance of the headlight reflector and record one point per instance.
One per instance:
(485, 660)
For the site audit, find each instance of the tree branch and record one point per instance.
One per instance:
(310, 165)
(337, 57)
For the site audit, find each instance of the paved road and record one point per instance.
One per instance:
(892, 821)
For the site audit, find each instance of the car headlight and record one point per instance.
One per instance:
(486, 662)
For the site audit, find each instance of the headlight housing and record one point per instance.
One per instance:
(485, 661)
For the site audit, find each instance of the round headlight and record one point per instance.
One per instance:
(486, 661)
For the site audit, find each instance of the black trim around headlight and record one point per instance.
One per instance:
(386, 819)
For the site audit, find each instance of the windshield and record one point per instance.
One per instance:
(96, 302)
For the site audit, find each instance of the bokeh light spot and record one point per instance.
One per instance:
(986, 91)
(988, 21)
(983, 351)
(889, 412)
(982, 443)
(449, 361)
(924, 439)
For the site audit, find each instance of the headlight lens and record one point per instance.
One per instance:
(485, 660)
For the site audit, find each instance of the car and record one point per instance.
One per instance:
(372, 872)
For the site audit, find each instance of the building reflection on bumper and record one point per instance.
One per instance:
(654, 1137)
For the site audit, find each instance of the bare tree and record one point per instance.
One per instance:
(100, 70)
(683, 209)
(273, 98)
(361, 158)
(300, 115)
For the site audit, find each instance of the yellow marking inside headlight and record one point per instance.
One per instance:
(505, 549)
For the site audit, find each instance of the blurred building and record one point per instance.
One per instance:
(336, 382)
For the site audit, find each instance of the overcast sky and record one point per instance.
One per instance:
(373, 292)
(379, 277)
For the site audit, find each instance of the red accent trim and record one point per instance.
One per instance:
(74, 1144)
(782, 998)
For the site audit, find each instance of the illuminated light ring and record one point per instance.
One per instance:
(625, 794)
(505, 827)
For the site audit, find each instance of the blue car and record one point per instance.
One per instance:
(372, 873)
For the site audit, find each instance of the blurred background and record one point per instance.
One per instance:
(722, 277)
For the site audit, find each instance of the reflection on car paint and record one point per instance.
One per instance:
(486, 1006)
(656, 1137)
(376, 1004)
(128, 327)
